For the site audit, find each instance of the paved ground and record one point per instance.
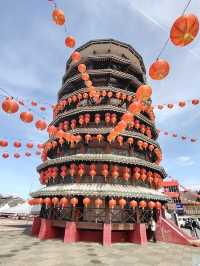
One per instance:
(18, 248)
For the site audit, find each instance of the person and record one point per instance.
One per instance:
(152, 227)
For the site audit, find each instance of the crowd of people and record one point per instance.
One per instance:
(192, 224)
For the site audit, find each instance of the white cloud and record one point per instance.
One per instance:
(185, 160)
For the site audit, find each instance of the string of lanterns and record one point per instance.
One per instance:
(183, 31)
(114, 172)
(17, 155)
(13, 107)
(64, 202)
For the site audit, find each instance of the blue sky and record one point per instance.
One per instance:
(32, 63)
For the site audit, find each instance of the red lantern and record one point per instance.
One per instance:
(140, 144)
(151, 204)
(104, 170)
(26, 117)
(98, 203)
(115, 171)
(158, 205)
(86, 202)
(121, 126)
(76, 57)
(99, 137)
(92, 171)
(120, 140)
(17, 144)
(88, 138)
(150, 177)
(143, 93)
(60, 134)
(9, 105)
(107, 118)
(182, 103)
(127, 117)
(88, 84)
(159, 69)
(151, 147)
(184, 30)
(145, 145)
(195, 101)
(40, 201)
(133, 204)
(40, 146)
(5, 155)
(122, 203)
(33, 103)
(148, 132)
(112, 203)
(58, 16)
(72, 169)
(81, 68)
(135, 107)
(97, 119)
(70, 42)
(85, 76)
(27, 154)
(52, 130)
(47, 202)
(160, 107)
(55, 201)
(3, 143)
(130, 141)
(29, 145)
(74, 202)
(113, 119)
(41, 125)
(63, 202)
(143, 175)
(73, 123)
(16, 155)
(87, 118)
(126, 173)
(142, 204)
(170, 105)
(81, 169)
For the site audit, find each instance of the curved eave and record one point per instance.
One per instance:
(106, 130)
(107, 88)
(103, 58)
(101, 190)
(99, 41)
(99, 108)
(110, 158)
(99, 72)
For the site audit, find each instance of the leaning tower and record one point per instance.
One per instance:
(95, 189)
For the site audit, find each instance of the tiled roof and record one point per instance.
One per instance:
(103, 158)
(101, 190)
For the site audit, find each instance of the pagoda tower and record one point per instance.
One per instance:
(95, 189)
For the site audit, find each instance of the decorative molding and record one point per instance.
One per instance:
(125, 45)
(117, 73)
(106, 130)
(103, 158)
(101, 190)
(99, 108)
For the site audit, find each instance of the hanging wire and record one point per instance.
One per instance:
(33, 111)
(4, 91)
(167, 41)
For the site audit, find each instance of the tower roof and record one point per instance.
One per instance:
(112, 42)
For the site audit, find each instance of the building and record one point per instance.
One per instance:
(95, 190)
(171, 189)
(183, 201)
